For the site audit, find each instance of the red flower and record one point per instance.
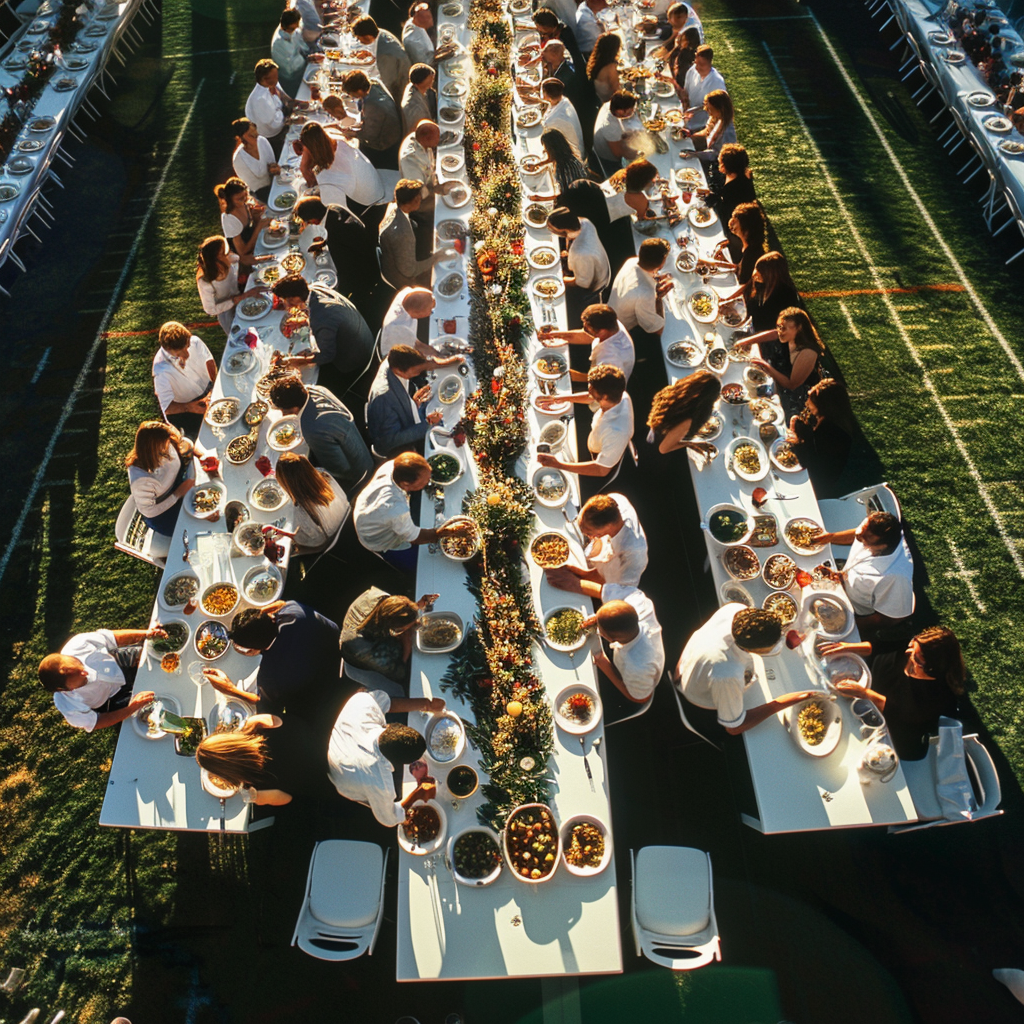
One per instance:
(495, 386)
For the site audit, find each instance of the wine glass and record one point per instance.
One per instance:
(195, 673)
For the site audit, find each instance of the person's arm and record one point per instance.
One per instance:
(547, 335)
(677, 438)
(572, 578)
(127, 637)
(589, 468)
(105, 719)
(801, 369)
(219, 680)
(432, 536)
(652, 319)
(844, 538)
(428, 705)
(384, 424)
(853, 690)
(605, 664)
(755, 716)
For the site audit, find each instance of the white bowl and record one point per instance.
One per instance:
(566, 836)
(212, 626)
(833, 729)
(559, 502)
(764, 464)
(733, 592)
(177, 576)
(844, 664)
(433, 723)
(570, 725)
(550, 534)
(450, 389)
(764, 571)
(452, 454)
(141, 725)
(436, 843)
(836, 599)
(213, 789)
(222, 497)
(244, 531)
(254, 575)
(476, 546)
(233, 406)
(274, 428)
(216, 586)
(566, 648)
(429, 617)
(487, 879)
(812, 549)
(556, 852)
(773, 454)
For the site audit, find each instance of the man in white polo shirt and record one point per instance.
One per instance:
(701, 79)
(638, 291)
(609, 341)
(183, 374)
(409, 306)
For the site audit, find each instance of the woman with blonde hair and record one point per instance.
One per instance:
(240, 219)
(321, 506)
(603, 68)
(720, 129)
(680, 410)
(217, 279)
(378, 631)
(158, 466)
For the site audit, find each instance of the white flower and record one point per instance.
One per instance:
(527, 764)
(493, 211)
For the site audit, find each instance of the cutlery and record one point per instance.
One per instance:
(586, 763)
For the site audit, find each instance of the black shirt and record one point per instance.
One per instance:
(296, 762)
(822, 451)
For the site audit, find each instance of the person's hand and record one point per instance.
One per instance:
(832, 648)
(251, 293)
(791, 437)
(140, 700)
(184, 487)
(198, 406)
(422, 394)
(156, 633)
(434, 418)
(663, 287)
(274, 168)
(419, 770)
(428, 788)
(563, 579)
(435, 705)
(548, 331)
(767, 367)
(703, 448)
(445, 187)
(454, 529)
(547, 459)
(426, 600)
(218, 679)
(316, 58)
(848, 688)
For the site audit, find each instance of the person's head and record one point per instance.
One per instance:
(288, 394)
(704, 60)
(691, 37)
(418, 303)
(599, 320)
(677, 15)
(599, 517)
(411, 471)
(561, 221)
(235, 758)
(233, 192)
(406, 362)
(255, 629)
(547, 24)
(213, 258)
(244, 130)
(795, 328)
(174, 339)
(606, 385)
(755, 630)
(306, 486)
(365, 29)
(400, 744)
(552, 89)
(356, 84)
(318, 144)
(606, 51)
(290, 20)
(59, 673)
(310, 210)
(292, 290)
(557, 146)
(618, 622)
(690, 398)
(152, 442)
(394, 615)
(718, 105)
(830, 400)
(881, 532)
(771, 271)
(553, 53)
(422, 76)
(652, 254)
(420, 16)
(622, 104)
(409, 194)
(935, 654)
(266, 73)
(637, 175)
(747, 224)
(427, 134)
(334, 106)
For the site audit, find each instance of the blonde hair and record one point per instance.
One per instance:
(721, 106)
(307, 487)
(235, 758)
(391, 613)
(150, 439)
(174, 336)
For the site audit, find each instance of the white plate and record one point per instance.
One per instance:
(457, 197)
(812, 549)
(954, 57)
(258, 574)
(178, 575)
(570, 725)
(845, 665)
(429, 617)
(270, 486)
(566, 648)
(254, 308)
(239, 362)
(773, 454)
(235, 408)
(834, 600)
(566, 832)
(550, 534)
(1011, 147)
(529, 118)
(450, 286)
(274, 428)
(685, 353)
(215, 485)
(792, 575)
(528, 165)
(555, 288)
(703, 318)
(728, 506)
(715, 430)
(998, 124)
(141, 726)
(697, 212)
(733, 592)
(450, 230)
(452, 163)
(559, 362)
(212, 788)
(436, 843)
(247, 537)
(450, 389)
(450, 723)
(531, 258)
(211, 626)
(765, 464)
(833, 730)
(486, 879)
(981, 99)
(558, 409)
(556, 476)
(780, 597)
(726, 564)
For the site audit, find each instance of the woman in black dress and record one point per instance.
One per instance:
(733, 185)
(822, 435)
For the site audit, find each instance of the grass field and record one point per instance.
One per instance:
(928, 340)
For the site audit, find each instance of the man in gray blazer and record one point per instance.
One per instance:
(327, 427)
(380, 131)
(419, 101)
(398, 263)
(392, 61)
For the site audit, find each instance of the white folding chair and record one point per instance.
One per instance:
(640, 709)
(849, 511)
(344, 901)
(672, 907)
(305, 570)
(134, 537)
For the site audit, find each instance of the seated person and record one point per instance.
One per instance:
(639, 290)
(612, 427)
(321, 506)
(912, 688)
(298, 651)
(160, 474)
(617, 133)
(183, 374)
(91, 679)
(365, 751)
(617, 552)
(382, 518)
(407, 308)
(327, 427)
(716, 668)
(609, 341)
(879, 573)
(271, 759)
(394, 418)
(378, 633)
(822, 435)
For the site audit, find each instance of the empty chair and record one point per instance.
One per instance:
(673, 907)
(344, 902)
(134, 537)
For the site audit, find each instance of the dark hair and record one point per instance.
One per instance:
(755, 629)
(404, 358)
(806, 335)
(562, 219)
(618, 618)
(226, 192)
(690, 398)
(400, 744)
(310, 208)
(751, 221)
(705, 51)
(887, 528)
(51, 673)
(605, 52)
(263, 68)
(692, 37)
(621, 100)
(833, 403)
(943, 659)
(599, 317)
(290, 16)
(288, 393)
(240, 126)
(652, 253)
(557, 146)
(607, 381)
(636, 175)
(254, 628)
(553, 87)
(420, 73)
(546, 18)
(409, 467)
(365, 26)
(293, 286)
(407, 190)
(355, 81)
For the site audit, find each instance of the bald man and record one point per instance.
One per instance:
(409, 306)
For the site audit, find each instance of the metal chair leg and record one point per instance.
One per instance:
(13, 256)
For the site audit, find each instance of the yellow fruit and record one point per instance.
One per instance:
(514, 708)
(493, 499)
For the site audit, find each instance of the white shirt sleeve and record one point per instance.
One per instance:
(232, 225)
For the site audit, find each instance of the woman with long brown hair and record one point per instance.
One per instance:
(719, 130)
(217, 279)
(240, 219)
(321, 507)
(378, 631)
(158, 473)
(680, 410)
(797, 337)
(344, 174)
(747, 226)
(822, 435)
(603, 68)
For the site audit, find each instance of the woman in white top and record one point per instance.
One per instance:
(603, 67)
(240, 220)
(719, 130)
(320, 504)
(217, 279)
(345, 175)
(625, 190)
(254, 161)
(158, 473)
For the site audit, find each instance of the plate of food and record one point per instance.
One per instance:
(532, 164)
(423, 830)
(445, 736)
(450, 390)
(748, 459)
(941, 38)
(65, 84)
(461, 546)
(75, 63)
(239, 362)
(685, 353)
(454, 89)
(577, 709)
(779, 571)
(206, 500)
(529, 118)
(450, 285)
(450, 230)
(563, 629)
(554, 434)
(783, 457)
(998, 124)
(728, 524)
(741, 563)
(224, 412)
(146, 721)
(275, 234)
(475, 856)
(717, 360)
(733, 394)
(536, 215)
(733, 313)
(550, 487)
(284, 201)
(816, 725)
(781, 605)
(550, 550)
(1011, 147)
(586, 845)
(247, 537)
(550, 367)
(439, 632)
(763, 410)
(954, 57)
(800, 534)
(29, 145)
(549, 288)
(542, 257)
(9, 191)
(458, 197)
(662, 89)
(703, 306)
(557, 408)
(181, 588)
(267, 495)
(532, 843)
(178, 634)
(327, 277)
(293, 263)
(734, 593)
(42, 124)
(981, 99)
(834, 616)
(451, 114)
(445, 468)
(452, 163)
(240, 449)
(702, 216)
(711, 429)
(262, 585)
(211, 640)
(284, 435)
(219, 599)
(254, 308)
(687, 261)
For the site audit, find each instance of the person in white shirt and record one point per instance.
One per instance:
(408, 306)
(416, 34)
(680, 17)
(419, 102)
(612, 428)
(365, 750)
(253, 160)
(588, 24)
(382, 519)
(91, 678)
(160, 474)
(416, 158)
(289, 51)
(878, 576)
(639, 289)
(345, 175)
(608, 340)
(183, 374)
(701, 79)
(321, 506)
(217, 279)
(716, 668)
(617, 548)
(268, 105)
(589, 274)
(626, 620)
(560, 113)
(618, 134)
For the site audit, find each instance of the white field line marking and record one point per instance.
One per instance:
(776, 17)
(728, 45)
(849, 320)
(83, 375)
(965, 574)
(1015, 555)
(40, 366)
(921, 209)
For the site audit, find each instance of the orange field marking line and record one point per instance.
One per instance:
(912, 290)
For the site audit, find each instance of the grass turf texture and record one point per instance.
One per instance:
(91, 910)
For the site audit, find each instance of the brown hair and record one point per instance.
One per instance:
(235, 758)
(618, 618)
(290, 16)
(691, 398)
(174, 336)
(806, 335)
(365, 26)
(318, 144)
(420, 73)
(409, 467)
(150, 439)
(721, 107)
(751, 221)
(599, 317)
(240, 126)
(355, 81)
(404, 358)
(407, 190)
(833, 403)
(774, 271)
(208, 264)
(652, 253)
(754, 629)
(635, 176)
(263, 68)
(601, 510)
(734, 159)
(226, 192)
(293, 286)
(606, 51)
(607, 381)
(307, 487)
(706, 51)
(288, 392)
(52, 674)
(391, 613)
(621, 100)
(553, 87)
(943, 659)
(886, 527)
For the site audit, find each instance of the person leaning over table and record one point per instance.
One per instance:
(610, 343)
(416, 33)
(365, 751)
(878, 576)
(603, 66)
(408, 308)
(240, 221)
(382, 518)
(217, 279)
(419, 101)
(321, 506)
(327, 426)
(380, 130)
(398, 263)
(560, 114)
(639, 290)
(268, 105)
(558, 22)
(716, 668)
(680, 410)
(913, 688)
(183, 374)
(589, 272)
(747, 226)
(91, 679)
(564, 165)
(822, 435)
(417, 157)
(612, 426)
(289, 51)
(378, 632)
(769, 291)
(160, 474)
(253, 160)
(392, 61)
(719, 130)
(617, 133)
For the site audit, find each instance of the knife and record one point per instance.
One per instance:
(586, 763)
